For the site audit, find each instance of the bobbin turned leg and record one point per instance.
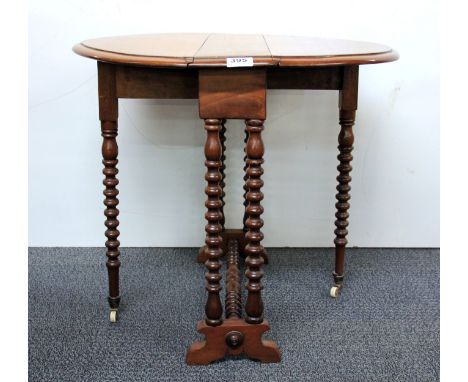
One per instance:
(213, 241)
(236, 335)
(201, 258)
(348, 106)
(246, 190)
(254, 250)
(239, 94)
(108, 114)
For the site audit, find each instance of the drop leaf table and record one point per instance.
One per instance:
(229, 75)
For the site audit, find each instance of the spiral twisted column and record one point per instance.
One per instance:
(254, 250)
(109, 153)
(213, 228)
(345, 147)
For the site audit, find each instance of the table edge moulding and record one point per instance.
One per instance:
(213, 49)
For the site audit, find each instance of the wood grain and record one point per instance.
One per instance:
(211, 50)
(253, 249)
(320, 78)
(236, 94)
(307, 51)
(167, 49)
(175, 83)
(108, 114)
(218, 342)
(213, 228)
(194, 66)
(218, 47)
(160, 83)
(348, 102)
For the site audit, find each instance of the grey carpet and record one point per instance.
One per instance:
(385, 326)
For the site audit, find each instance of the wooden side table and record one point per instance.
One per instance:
(229, 75)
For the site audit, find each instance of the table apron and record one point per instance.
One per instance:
(163, 83)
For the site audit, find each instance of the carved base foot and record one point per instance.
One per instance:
(234, 336)
(229, 234)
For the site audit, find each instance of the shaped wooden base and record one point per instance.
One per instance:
(234, 336)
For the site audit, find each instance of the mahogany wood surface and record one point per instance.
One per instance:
(164, 83)
(108, 114)
(233, 304)
(318, 78)
(234, 94)
(161, 83)
(231, 234)
(348, 100)
(166, 49)
(253, 249)
(213, 241)
(234, 337)
(207, 50)
(193, 66)
(218, 47)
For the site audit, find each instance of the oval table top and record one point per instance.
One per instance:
(208, 50)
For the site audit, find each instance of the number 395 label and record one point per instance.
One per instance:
(232, 62)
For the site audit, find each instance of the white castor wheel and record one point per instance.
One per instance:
(335, 291)
(113, 315)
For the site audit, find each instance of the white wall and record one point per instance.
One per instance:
(395, 187)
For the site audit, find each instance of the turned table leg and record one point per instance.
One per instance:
(239, 94)
(234, 335)
(213, 241)
(348, 106)
(201, 258)
(254, 250)
(108, 114)
(246, 190)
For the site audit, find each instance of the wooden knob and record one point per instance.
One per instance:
(234, 339)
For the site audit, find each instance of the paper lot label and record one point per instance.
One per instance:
(232, 62)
